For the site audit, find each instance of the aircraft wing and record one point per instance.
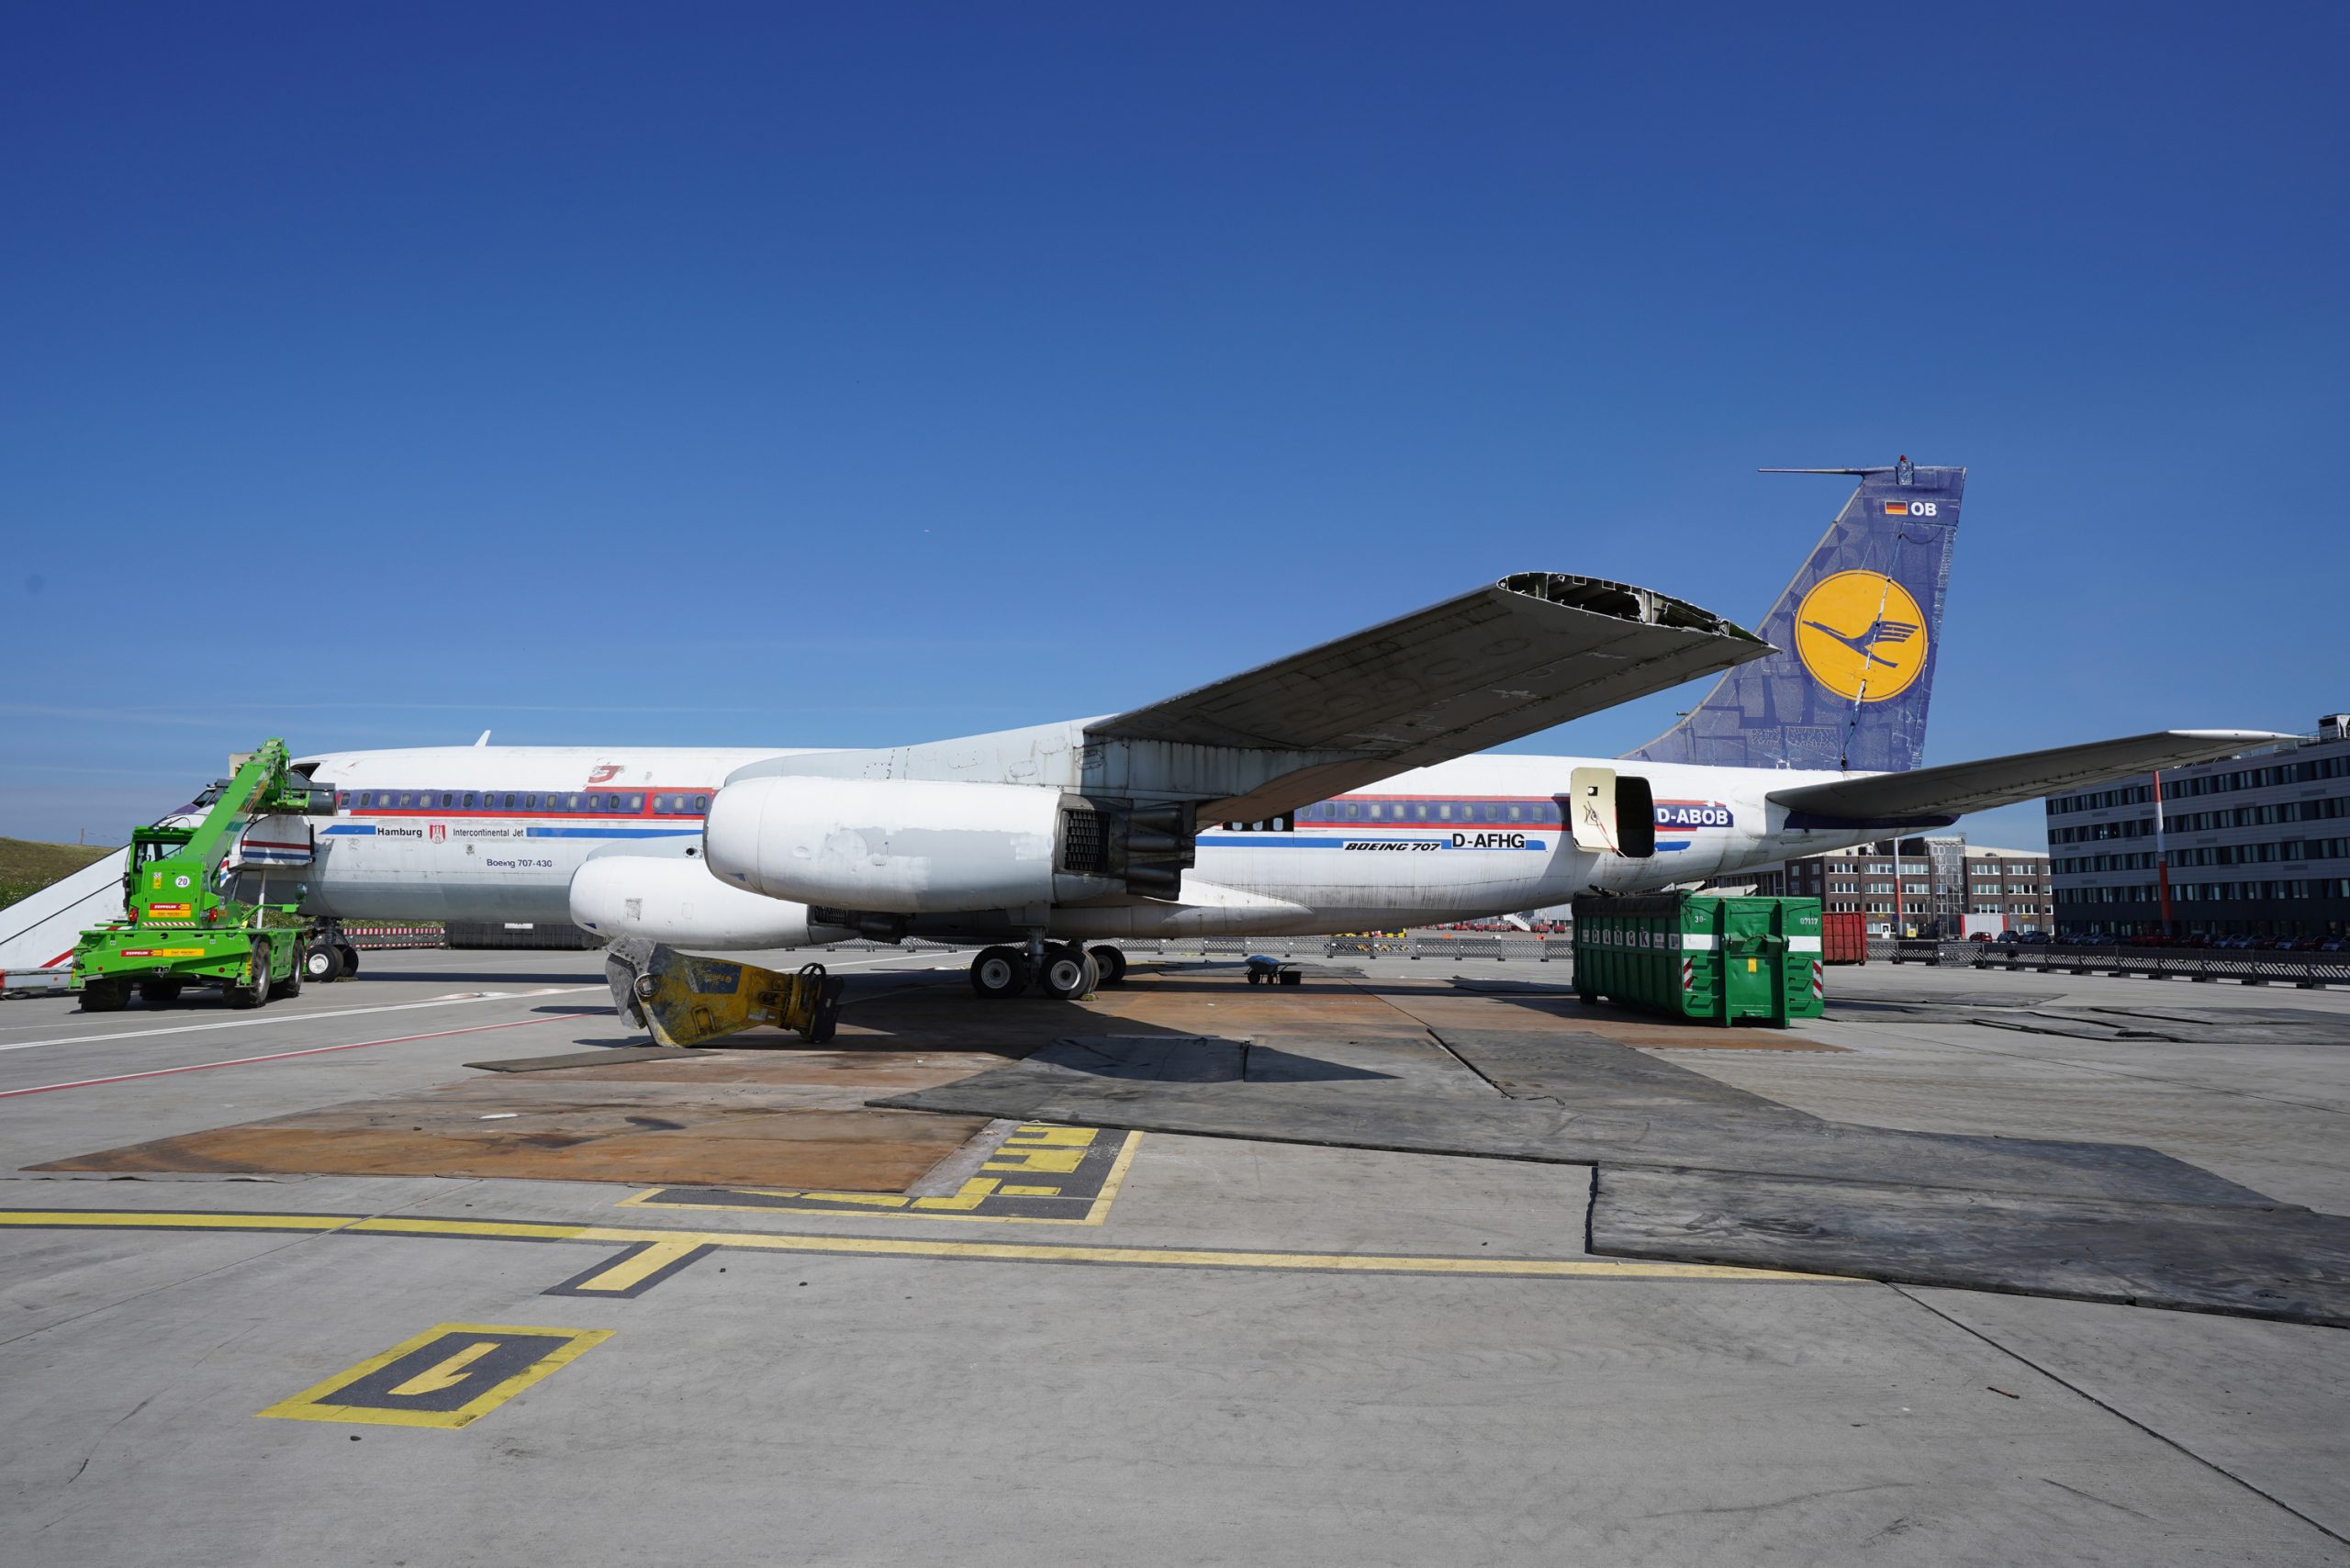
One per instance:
(1521, 654)
(1939, 794)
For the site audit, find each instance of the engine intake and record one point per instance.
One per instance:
(680, 903)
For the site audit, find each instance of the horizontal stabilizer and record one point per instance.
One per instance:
(1955, 788)
(1506, 660)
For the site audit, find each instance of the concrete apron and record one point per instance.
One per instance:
(1694, 1169)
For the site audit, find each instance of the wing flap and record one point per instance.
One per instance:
(1955, 788)
(1521, 654)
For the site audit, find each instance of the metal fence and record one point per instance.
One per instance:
(2306, 971)
(371, 934)
(2309, 971)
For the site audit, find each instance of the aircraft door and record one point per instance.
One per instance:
(1610, 813)
(1635, 816)
(1591, 807)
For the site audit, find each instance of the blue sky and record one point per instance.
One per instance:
(751, 374)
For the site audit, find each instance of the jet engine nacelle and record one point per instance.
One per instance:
(680, 903)
(894, 846)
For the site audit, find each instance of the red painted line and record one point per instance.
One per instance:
(274, 1056)
(518, 814)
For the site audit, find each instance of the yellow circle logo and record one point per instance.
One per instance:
(1861, 636)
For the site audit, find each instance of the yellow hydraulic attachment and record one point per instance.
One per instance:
(687, 1000)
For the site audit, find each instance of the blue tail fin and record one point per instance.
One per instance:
(1857, 631)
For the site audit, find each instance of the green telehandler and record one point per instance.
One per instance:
(181, 926)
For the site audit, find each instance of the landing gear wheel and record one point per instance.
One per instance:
(321, 963)
(105, 996)
(1110, 961)
(349, 957)
(242, 995)
(158, 993)
(1000, 971)
(1066, 973)
(288, 988)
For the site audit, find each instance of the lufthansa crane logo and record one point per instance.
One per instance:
(1861, 636)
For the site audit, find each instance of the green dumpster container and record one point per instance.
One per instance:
(1692, 955)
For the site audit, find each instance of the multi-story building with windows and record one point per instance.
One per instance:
(1929, 888)
(2258, 845)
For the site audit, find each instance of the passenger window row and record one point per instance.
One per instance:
(586, 802)
(1523, 814)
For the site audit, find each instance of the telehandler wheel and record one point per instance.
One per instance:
(1000, 971)
(158, 993)
(290, 987)
(242, 995)
(105, 996)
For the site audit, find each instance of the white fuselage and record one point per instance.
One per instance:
(482, 833)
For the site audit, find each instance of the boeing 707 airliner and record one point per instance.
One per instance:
(1344, 788)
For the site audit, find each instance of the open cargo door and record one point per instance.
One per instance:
(1612, 813)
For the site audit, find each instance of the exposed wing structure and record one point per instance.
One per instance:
(1519, 655)
(1932, 796)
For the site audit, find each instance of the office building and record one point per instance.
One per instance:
(2256, 844)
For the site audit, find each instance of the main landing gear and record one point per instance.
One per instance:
(1060, 970)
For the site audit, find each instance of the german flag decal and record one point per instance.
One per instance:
(1896, 509)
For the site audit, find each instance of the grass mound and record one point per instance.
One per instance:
(27, 867)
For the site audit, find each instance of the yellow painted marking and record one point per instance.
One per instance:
(870, 1200)
(1038, 1135)
(1117, 1178)
(1184, 1257)
(476, 1227)
(80, 1219)
(630, 1270)
(969, 1196)
(1060, 1161)
(953, 1209)
(311, 1403)
(448, 1373)
(907, 1247)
